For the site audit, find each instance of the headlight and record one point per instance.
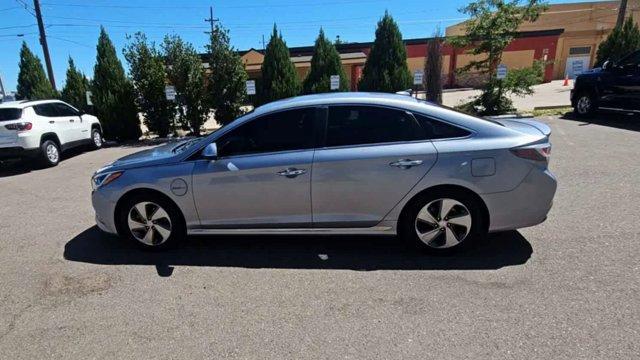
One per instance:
(100, 180)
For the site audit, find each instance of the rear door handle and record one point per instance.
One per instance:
(52, 121)
(292, 172)
(406, 163)
(71, 120)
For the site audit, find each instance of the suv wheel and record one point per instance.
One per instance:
(585, 105)
(443, 222)
(49, 153)
(151, 222)
(96, 139)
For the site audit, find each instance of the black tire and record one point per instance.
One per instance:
(585, 104)
(95, 143)
(177, 225)
(49, 153)
(408, 225)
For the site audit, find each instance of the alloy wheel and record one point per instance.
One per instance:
(97, 139)
(52, 153)
(149, 223)
(443, 223)
(584, 104)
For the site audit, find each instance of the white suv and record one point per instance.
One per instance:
(43, 129)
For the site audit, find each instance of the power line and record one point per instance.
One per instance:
(26, 7)
(225, 7)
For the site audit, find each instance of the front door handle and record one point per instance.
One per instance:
(406, 163)
(71, 120)
(291, 172)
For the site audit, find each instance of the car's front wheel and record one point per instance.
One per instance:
(585, 104)
(443, 222)
(151, 222)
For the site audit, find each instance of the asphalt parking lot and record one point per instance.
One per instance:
(566, 289)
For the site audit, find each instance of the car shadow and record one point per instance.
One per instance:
(12, 167)
(364, 253)
(620, 120)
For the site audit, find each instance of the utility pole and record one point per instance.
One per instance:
(211, 20)
(621, 10)
(43, 42)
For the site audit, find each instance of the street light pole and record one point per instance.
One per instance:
(43, 42)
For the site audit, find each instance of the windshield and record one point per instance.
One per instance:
(7, 114)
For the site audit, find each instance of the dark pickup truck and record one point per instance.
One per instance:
(614, 86)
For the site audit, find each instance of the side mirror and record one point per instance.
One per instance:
(210, 152)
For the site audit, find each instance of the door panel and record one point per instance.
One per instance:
(248, 191)
(357, 187)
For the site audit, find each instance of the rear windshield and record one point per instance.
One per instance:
(7, 114)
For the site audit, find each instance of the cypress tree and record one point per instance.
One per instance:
(433, 70)
(227, 89)
(32, 82)
(279, 76)
(146, 67)
(324, 63)
(620, 42)
(113, 95)
(386, 67)
(75, 87)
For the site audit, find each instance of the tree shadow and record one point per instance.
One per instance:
(364, 253)
(620, 120)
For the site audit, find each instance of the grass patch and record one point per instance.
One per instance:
(552, 112)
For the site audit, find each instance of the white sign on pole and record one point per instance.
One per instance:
(418, 77)
(170, 92)
(502, 71)
(251, 87)
(89, 94)
(335, 82)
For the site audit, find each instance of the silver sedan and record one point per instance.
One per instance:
(341, 163)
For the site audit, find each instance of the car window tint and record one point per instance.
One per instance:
(46, 110)
(7, 114)
(355, 125)
(282, 131)
(435, 129)
(632, 59)
(64, 109)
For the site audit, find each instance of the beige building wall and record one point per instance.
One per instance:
(585, 24)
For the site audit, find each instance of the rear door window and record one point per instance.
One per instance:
(8, 114)
(357, 125)
(47, 110)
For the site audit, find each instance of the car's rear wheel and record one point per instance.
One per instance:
(151, 222)
(96, 139)
(585, 104)
(443, 222)
(49, 153)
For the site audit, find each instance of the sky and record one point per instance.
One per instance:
(72, 26)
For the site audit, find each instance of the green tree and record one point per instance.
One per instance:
(186, 74)
(279, 76)
(75, 88)
(386, 67)
(433, 70)
(493, 24)
(324, 63)
(146, 68)
(113, 95)
(227, 77)
(622, 40)
(32, 82)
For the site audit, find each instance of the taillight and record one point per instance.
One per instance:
(535, 153)
(24, 126)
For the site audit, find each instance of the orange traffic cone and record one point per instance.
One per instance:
(566, 80)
